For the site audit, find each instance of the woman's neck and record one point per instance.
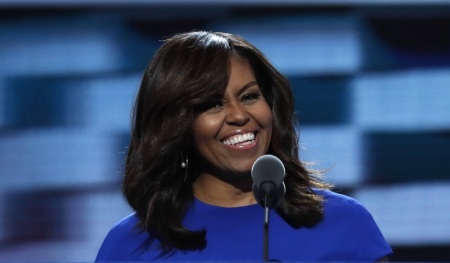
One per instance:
(214, 191)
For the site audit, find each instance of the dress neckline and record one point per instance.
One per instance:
(199, 203)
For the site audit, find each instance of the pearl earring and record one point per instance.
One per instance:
(184, 165)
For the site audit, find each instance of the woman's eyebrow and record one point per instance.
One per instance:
(246, 87)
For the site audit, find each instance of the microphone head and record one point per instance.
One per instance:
(268, 187)
(268, 168)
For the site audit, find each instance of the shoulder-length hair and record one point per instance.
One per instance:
(185, 73)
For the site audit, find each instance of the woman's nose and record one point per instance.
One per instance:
(236, 114)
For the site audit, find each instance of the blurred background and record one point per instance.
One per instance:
(371, 82)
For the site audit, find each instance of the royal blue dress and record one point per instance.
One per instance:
(347, 233)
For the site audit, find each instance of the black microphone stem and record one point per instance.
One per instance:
(266, 229)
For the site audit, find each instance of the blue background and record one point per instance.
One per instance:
(371, 83)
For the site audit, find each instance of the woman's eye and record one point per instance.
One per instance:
(212, 106)
(250, 97)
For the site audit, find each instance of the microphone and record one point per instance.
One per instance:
(268, 187)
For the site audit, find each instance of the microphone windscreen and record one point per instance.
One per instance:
(268, 168)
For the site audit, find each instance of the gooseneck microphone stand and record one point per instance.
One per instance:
(268, 188)
(268, 191)
(266, 229)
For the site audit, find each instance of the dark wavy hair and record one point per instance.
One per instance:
(186, 72)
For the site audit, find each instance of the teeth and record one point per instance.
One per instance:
(240, 138)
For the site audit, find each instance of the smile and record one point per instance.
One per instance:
(241, 139)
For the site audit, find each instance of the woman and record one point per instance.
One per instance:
(209, 105)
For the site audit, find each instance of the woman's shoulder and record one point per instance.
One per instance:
(121, 239)
(340, 208)
(124, 226)
(334, 200)
(347, 219)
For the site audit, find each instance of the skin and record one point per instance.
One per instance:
(224, 178)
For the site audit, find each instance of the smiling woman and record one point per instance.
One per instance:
(230, 137)
(209, 105)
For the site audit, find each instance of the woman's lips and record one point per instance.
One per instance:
(240, 139)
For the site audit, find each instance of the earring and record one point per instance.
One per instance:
(184, 165)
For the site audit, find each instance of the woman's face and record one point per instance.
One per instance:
(237, 128)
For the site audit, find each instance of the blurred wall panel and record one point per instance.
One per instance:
(403, 100)
(58, 157)
(66, 43)
(301, 44)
